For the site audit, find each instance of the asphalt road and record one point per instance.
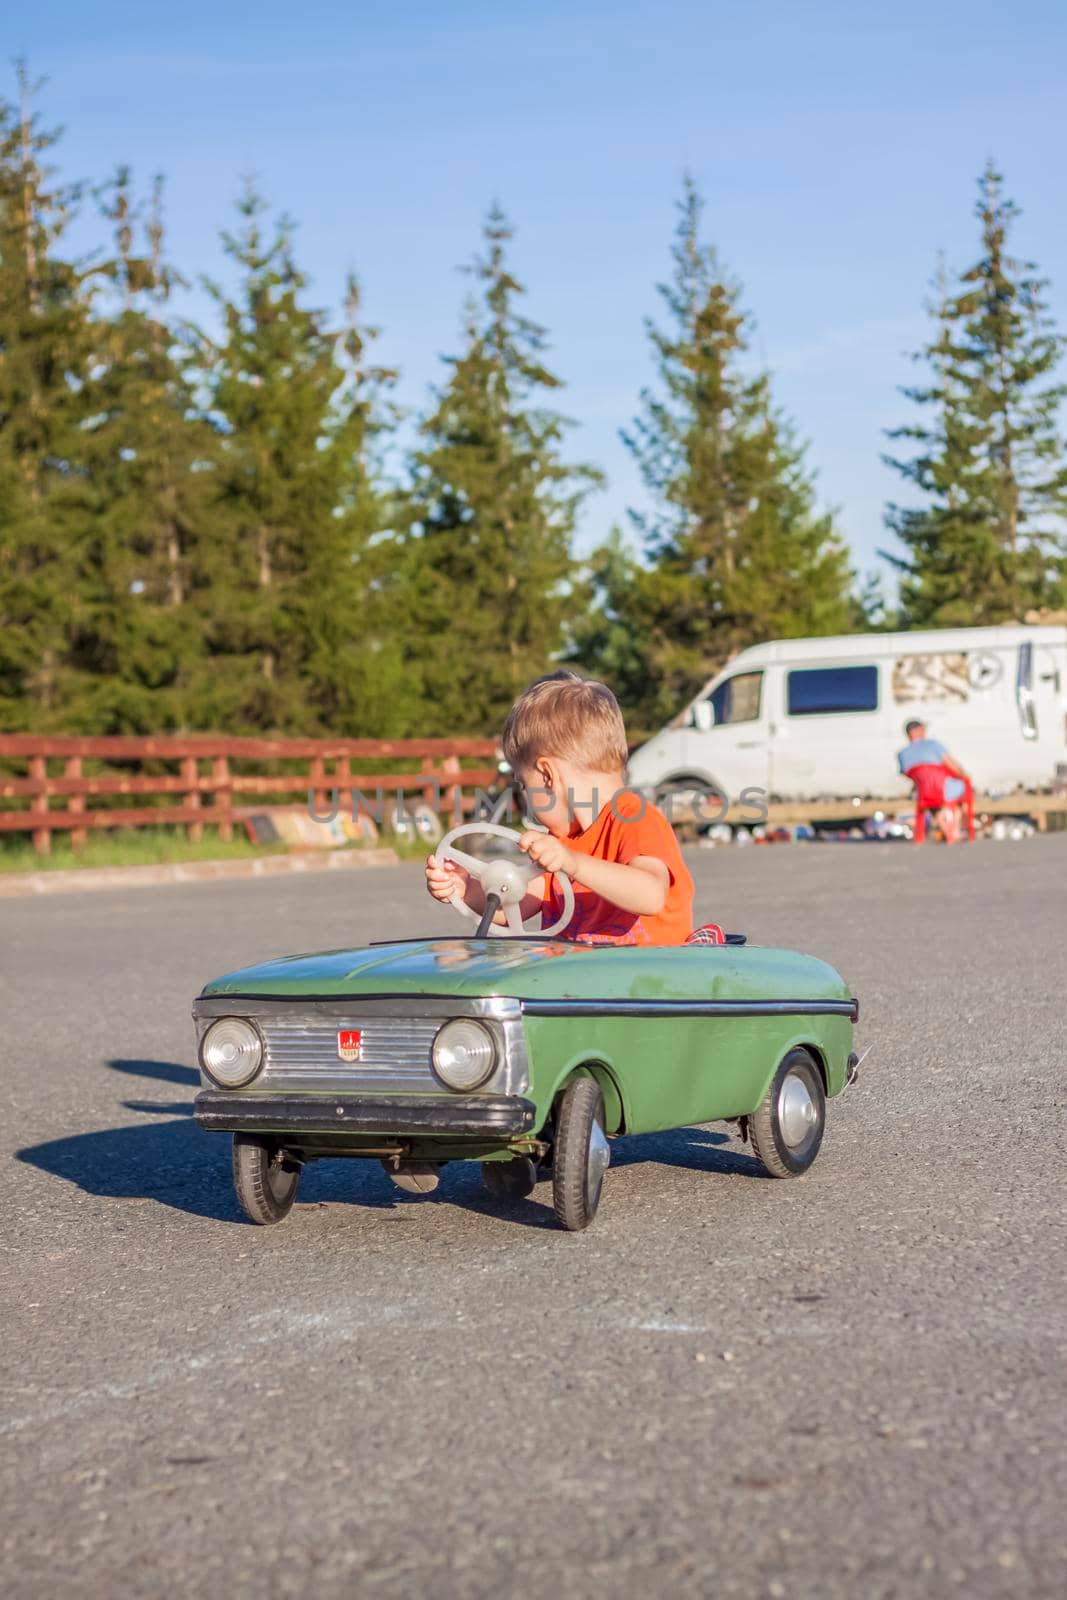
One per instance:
(848, 1386)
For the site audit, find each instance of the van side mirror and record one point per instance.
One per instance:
(703, 716)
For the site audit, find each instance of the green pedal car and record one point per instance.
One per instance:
(517, 1051)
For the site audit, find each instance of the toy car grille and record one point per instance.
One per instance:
(393, 1053)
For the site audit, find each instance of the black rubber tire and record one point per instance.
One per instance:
(764, 1131)
(265, 1189)
(575, 1200)
(710, 797)
(510, 1180)
(545, 1161)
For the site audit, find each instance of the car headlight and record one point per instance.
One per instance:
(231, 1052)
(464, 1054)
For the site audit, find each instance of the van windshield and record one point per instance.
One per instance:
(737, 699)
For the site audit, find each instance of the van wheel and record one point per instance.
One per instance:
(510, 1180)
(786, 1129)
(581, 1153)
(692, 802)
(264, 1181)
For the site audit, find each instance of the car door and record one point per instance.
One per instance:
(730, 733)
(828, 734)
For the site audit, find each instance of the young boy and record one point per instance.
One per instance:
(565, 741)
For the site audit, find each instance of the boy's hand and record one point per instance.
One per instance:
(443, 878)
(550, 853)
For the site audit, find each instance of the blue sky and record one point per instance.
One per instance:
(836, 144)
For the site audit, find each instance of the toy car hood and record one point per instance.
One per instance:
(531, 969)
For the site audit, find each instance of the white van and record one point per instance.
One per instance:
(812, 719)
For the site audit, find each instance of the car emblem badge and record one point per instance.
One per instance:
(349, 1043)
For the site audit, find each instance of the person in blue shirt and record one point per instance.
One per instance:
(922, 751)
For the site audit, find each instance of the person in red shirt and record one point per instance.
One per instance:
(565, 741)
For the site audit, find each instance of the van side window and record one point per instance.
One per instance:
(738, 699)
(819, 691)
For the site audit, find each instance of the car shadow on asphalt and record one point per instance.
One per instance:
(173, 1162)
(177, 1164)
(162, 1071)
(700, 1149)
(695, 1149)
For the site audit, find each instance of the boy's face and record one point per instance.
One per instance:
(546, 795)
(564, 797)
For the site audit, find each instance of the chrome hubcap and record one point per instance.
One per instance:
(597, 1160)
(797, 1113)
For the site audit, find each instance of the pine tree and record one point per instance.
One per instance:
(373, 695)
(289, 634)
(608, 630)
(872, 611)
(738, 550)
(493, 507)
(46, 399)
(989, 544)
(138, 645)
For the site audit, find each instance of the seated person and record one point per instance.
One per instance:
(565, 741)
(922, 751)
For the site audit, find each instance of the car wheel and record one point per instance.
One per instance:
(786, 1129)
(510, 1180)
(692, 803)
(581, 1154)
(264, 1182)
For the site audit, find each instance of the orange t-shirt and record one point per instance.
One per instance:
(627, 827)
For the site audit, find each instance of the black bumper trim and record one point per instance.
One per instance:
(219, 1110)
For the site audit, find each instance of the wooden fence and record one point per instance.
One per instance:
(209, 776)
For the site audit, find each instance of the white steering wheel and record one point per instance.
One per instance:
(507, 881)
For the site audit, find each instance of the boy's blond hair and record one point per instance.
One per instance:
(563, 715)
